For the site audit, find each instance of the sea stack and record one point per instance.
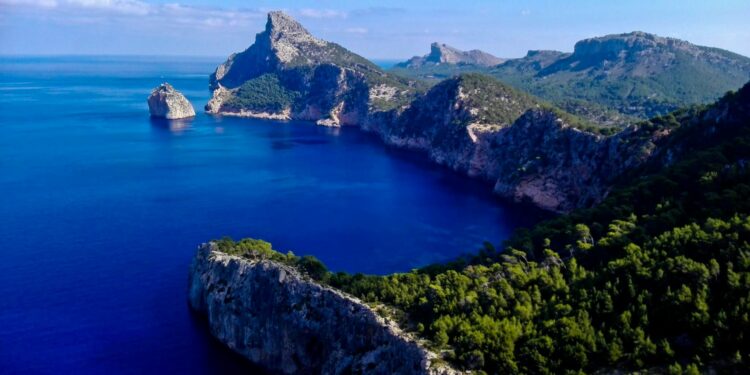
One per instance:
(166, 102)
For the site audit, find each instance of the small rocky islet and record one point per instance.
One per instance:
(267, 306)
(167, 103)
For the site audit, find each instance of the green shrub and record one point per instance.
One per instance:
(263, 94)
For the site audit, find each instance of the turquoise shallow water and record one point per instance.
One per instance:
(101, 209)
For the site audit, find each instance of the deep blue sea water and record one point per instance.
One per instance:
(101, 210)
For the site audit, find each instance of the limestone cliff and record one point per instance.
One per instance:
(277, 318)
(527, 149)
(288, 73)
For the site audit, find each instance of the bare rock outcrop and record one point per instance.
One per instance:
(529, 151)
(441, 53)
(277, 318)
(166, 102)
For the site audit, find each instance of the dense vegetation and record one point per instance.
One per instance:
(263, 94)
(655, 277)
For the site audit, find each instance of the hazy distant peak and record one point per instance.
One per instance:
(441, 53)
(628, 45)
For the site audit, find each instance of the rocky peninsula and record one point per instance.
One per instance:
(280, 319)
(168, 103)
(528, 150)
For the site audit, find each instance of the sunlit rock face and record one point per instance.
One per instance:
(166, 102)
(275, 317)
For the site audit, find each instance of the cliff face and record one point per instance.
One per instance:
(310, 79)
(277, 318)
(559, 167)
(528, 150)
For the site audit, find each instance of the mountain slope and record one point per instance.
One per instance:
(612, 79)
(288, 73)
(529, 150)
(638, 74)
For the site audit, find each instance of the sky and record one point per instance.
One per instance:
(381, 29)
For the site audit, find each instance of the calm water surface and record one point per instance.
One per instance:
(101, 210)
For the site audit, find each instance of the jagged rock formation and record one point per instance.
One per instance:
(638, 74)
(441, 53)
(166, 102)
(271, 314)
(289, 74)
(528, 150)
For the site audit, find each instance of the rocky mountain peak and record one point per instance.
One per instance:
(287, 37)
(281, 24)
(441, 53)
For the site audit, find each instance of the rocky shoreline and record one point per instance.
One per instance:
(287, 323)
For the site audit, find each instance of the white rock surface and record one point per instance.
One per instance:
(166, 102)
(277, 318)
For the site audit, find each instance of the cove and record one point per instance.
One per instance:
(102, 208)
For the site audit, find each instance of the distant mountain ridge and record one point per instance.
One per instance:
(637, 74)
(441, 53)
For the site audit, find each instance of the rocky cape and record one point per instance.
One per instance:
(166, 102)
(277, 318)
(530, 151)
(290, 74)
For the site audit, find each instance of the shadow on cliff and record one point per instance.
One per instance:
(231, 362)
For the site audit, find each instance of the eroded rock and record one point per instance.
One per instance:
(166, 102)
(277, 318)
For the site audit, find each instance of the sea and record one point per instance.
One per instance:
(102, 209)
